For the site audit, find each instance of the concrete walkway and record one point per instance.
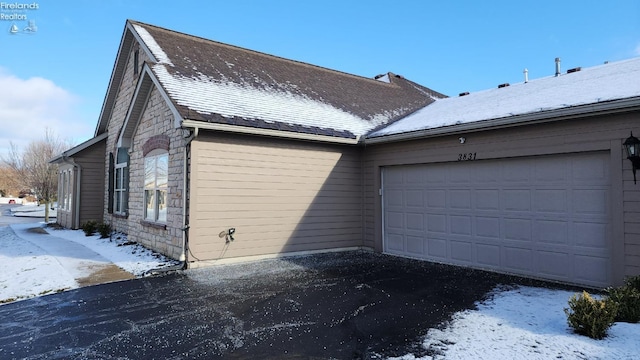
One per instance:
(85, 265)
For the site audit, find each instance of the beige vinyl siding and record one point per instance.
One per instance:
(92, 183)
(281, 196)
(603, 133)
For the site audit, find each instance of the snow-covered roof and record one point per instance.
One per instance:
(218, 83)
(595, 85)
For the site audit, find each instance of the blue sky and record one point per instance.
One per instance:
(57, 77)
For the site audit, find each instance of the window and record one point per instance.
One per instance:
(65, 190)
(156, 169)
(120, 188)
(121, 182)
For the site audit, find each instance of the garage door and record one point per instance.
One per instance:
(545, 217)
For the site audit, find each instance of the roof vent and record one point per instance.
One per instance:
(378, 76)
(576, 69)
(557, 66)
(503, 85)
(526, 75)
(464, 93)
(399, 77)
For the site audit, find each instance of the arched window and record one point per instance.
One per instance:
(156, 179)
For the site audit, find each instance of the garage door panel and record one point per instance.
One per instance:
(395, 220)
(590, 201)
(394, 198)
(591, 269)
(395, 242)
(437, 249)
(437, 223)
(460, 199)
(436, 199)
(488, 227)
(415, 245)
(551, 171)
(461, 251)
(552, 231)
(544, 216)
(551, 200)
(519, 260)
(555, 264)
(488, 255)
(487, 199)
(590, 235)
(516, 199)
(415, 222)
(517, 229)
(414, 198)
(460, 224)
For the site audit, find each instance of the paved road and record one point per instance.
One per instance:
(355, 305)
(7, 219)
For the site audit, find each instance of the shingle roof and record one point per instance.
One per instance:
(545, 97)
(219, 83)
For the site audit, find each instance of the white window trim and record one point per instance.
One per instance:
(120, 192)
(154, 155)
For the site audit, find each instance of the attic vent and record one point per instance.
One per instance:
(503, 85)
(464, 93)
(574, 70)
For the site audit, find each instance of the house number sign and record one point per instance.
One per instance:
(466, 156)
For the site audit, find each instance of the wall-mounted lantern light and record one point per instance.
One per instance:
(632, 145)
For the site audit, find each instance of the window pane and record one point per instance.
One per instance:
(149, 213)
(118, 201)
(118, 178)
(149, 172)
(162, 170)
(162, 205)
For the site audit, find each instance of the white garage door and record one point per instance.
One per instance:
(545, 217)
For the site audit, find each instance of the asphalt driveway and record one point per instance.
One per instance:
(355, 305)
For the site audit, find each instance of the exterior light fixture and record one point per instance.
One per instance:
(632, 145)
(462, 140)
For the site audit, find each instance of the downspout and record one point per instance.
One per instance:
(186, 191)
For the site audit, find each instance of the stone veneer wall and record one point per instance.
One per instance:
(121, 105)
(157, 119)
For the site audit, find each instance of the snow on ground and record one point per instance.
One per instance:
(29, 269)
(525, 323)
(522, 322)
(33, 210)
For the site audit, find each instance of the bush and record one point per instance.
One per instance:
(633, 282)
(104, 230)
(589, 316)
(89, 227)
(627, 298)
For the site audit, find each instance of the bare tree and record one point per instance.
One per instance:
(34, 170)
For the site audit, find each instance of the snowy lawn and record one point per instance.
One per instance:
(525, 323)
(27, 270)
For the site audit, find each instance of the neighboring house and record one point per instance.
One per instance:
(216, 153)
(81, 181)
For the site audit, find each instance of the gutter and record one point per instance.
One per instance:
(268, 132)
(603, 108)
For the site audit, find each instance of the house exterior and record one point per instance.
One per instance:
(214, 153)
(81, 180)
